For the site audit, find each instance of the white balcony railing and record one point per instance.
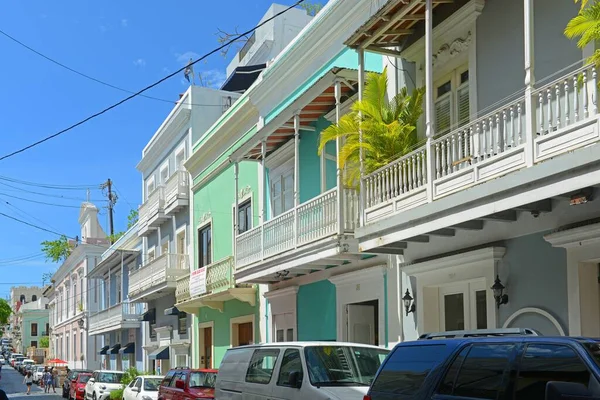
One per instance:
(115, 316)
(219, 277)
(166, 268)
(490, 146)
(177, 188)
(151, 213)
(310, 221)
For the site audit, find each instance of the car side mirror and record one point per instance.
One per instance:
(134, 389)
(180, 384)
(91, 380)
(568, 390)
(295, 379)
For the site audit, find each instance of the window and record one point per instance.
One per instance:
(290, 362)
(81, 345)
(81, 291)
(180, 158)
(167, 379)
(34, 329)
(34, 343)
(483, 374)
(164, 173)
(34, 298)
(406, 369)
(47, 331)
(75, 297)
(203, 379)
(182, 323)
(452, 100)
(150, 186)
(67, 348)
(133, 382)
(261, 366)
(75, 345)
(138, 383)
(118, 284)
(152, 323)
(244, 217)
(542, 363)
(151, 384)
(204, 246)
(282, 192)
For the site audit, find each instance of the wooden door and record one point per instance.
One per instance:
(208, 347)
(245, 333)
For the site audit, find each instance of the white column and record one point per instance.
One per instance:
(429, 113)
(323, 170)
(263, 178)
(296, 173)
(236, 172)
(338, 170)
(361, 88)
(529, 82)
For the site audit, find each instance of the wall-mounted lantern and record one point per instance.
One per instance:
(498, 289)
(409, 304)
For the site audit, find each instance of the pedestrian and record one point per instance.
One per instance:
(28, 380)
(54, 379)
(47, 380)
(3, 395)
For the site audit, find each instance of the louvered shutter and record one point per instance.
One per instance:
(442, 115)
(462, 97)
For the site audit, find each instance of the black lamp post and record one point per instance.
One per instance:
(81, 322)
(498, 289)
(409, 304)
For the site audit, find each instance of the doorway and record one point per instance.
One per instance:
(362, 323)
(206, 344)
(463, 306)
(283, 327)
(242, 330)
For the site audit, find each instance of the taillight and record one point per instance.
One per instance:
(367, 397)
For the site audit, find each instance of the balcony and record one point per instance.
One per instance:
(124, 315)
(152, 212)
(312, 226)
(211, 286)
(157, 277)
(176, 192)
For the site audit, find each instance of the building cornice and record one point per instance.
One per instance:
(576, 237)
(358, 277)
(463, 259)
(288, 291)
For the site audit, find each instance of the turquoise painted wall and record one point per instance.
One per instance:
(316, 312)
(39, 317)
(221, 321)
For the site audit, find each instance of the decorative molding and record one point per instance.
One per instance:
(244, 192)
(205, 217)
(534, 310)
(288, 291)
(449, 51)
(576, 237)
(359, 276)
(462, 259)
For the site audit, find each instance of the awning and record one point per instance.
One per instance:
(104, 350)
(148, 315)
(162, 353)
(115, 349)
(172, 311)
(128, 349)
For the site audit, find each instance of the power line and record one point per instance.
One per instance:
(32, 225)
(139, 92)
(91, 77)
(22, 212)
(39, 202)
(16, 188)
(49, 185)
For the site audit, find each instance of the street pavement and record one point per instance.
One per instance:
(11, 382)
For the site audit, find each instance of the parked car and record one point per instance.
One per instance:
(186, 383)
(101, 383)
(72, 376)
(38, 373)
(299, 370)
(490, 364)
(77, 386)
(25, 364)
(144, 387)
(2, 360)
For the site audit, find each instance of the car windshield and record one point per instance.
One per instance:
(110, 377)
(343, 365)
(84, 378)
(203, 379)
(152, 384)
(593, 348)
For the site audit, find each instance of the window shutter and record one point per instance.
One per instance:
(442, 115)
(463, 105)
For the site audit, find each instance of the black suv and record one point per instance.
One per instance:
(497, 364)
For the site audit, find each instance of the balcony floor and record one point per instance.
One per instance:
(216, 300)
(498, 201)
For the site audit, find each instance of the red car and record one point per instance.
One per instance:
(77, 391)
(186, 383)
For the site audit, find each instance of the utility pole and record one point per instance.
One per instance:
(112, 200)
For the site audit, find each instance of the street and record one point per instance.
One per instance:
(12, 384)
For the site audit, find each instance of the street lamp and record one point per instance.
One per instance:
(81, 322)
(409, 304)
(498, 289)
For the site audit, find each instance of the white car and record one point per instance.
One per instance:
(102, 383)
(144, 387)
(38, 373)
(2, 360)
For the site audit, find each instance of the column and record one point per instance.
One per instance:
(361, 89)
(264, 181)
(236, 172)
(529, 82)
(338, 170)
(429, 111)
(296, 173)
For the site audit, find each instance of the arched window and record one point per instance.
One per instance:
(22, 298)
(34, 298)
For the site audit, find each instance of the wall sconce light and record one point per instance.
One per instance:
(409, 304)
(498, 289)
(81, 322)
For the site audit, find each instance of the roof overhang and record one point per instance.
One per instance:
(113, 260)
(216, 300)
(315, 102)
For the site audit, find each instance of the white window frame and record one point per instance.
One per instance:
(241, 320)
(150, 182)
(185, 236)
(151, 250)
(280, 163)
(456, 86)
(201, 226)
(181, 149)
(282, 302)
(167, 240)
(242, 200)
(468, 289)
(164, 167)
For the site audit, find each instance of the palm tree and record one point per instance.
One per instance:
(389, 128)
(586, 27)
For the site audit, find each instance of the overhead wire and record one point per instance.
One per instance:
(39, 202)
(16, 188)
(50, 186)
(139, 92)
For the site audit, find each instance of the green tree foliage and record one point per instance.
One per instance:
(44, 342)
(128, 375)
(56, 250)
(389, 128)
(586, 27)
(311, 8)
(5, 311)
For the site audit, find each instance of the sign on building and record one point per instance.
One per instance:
(198, 282)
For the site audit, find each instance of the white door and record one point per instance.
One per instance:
(361, 324)
(284, 327)
(463, 306)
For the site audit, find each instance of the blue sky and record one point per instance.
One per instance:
(127, 44)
